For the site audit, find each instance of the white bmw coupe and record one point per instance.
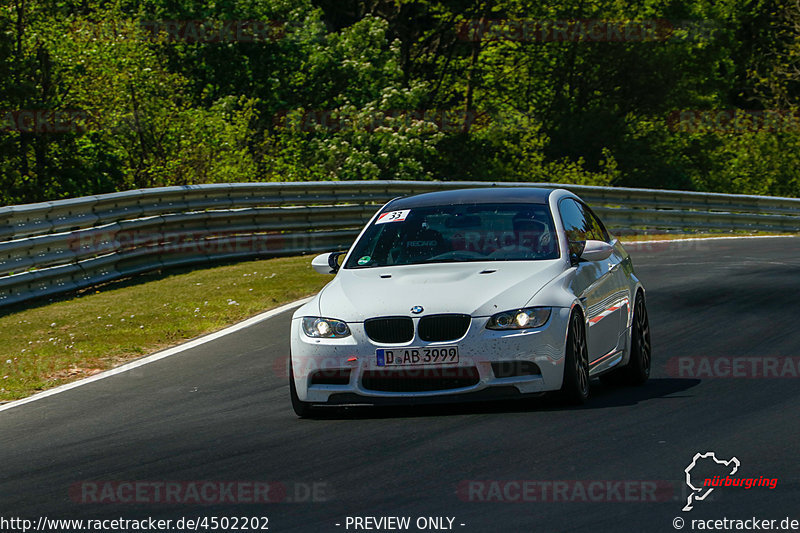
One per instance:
(471, 295)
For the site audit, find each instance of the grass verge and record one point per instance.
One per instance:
(49, 344)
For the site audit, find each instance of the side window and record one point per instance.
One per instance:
(575, 224)
(598, 229)
(580, 224)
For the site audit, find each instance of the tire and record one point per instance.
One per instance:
(575, 388)
(637, 370)
(301, 408)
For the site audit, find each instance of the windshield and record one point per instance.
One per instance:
(457, 233)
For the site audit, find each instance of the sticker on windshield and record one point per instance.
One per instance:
(364, 260)
(393, 216)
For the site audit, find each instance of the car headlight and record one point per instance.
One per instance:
(530, 317)
(319, 327)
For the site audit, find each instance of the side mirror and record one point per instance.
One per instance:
(575, 251)
(327, 263)
(596, 251)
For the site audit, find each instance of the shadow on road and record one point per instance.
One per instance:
(603, 396)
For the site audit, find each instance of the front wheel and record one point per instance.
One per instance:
(575, 388)
(301, 408)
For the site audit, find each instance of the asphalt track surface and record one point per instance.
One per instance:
(221, 412)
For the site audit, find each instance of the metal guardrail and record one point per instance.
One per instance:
(60, 246)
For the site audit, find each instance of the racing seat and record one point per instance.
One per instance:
(421, 243)
(534, 236)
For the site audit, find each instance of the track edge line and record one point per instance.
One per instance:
(163, 354)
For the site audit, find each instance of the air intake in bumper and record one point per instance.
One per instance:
(331, 376)
(509, 369)
(420, 380)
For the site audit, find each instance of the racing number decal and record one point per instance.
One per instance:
(393, 216)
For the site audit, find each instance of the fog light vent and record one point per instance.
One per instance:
(509, 369)
(331, 376)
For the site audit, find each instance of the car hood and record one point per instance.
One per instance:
(478, 289)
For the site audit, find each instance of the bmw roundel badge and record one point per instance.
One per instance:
(417, 309)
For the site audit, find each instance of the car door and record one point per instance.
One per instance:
(594, 282)
(621, 296)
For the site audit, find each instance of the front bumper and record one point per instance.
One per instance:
(353, 359)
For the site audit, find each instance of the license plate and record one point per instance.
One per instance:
(440, 355)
